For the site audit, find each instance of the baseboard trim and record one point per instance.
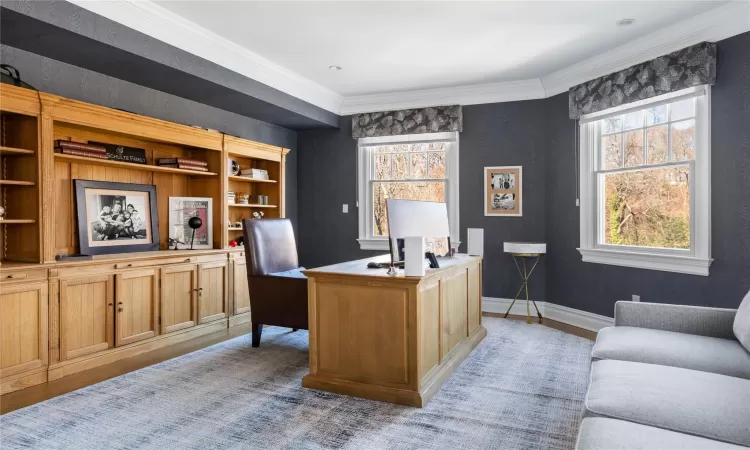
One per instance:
(575, 317)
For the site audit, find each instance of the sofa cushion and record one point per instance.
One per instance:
(687, 401)
(689, 351)
(597, 433)
(741, 326)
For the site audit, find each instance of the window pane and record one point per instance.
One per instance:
(382, 167)
(656, 141)
(656, 115)
(683, 140)
(649, 208)
(634, 120)
(683, 109)
(437, 164)
(612, 125)
(400, 166)
(611, 153)
(433, 191)
(419, 165)
(634, 148)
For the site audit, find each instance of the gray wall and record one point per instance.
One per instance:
(49, 75)
(494, 134)
(539, 136)
(595, 287)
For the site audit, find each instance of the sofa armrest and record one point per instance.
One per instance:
(698, 320)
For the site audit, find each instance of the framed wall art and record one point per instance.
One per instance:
(503, 193)
(116, 217)
(181, 210)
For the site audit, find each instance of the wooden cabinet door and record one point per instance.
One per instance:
(86, 315)
(137, 304)
(241, 293)
(179, 294)
(212, 289)
(23, 327)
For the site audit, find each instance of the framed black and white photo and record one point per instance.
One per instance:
(181, 210)
(503, 195)
(116, 217)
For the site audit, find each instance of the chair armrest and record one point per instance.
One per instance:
(698, 320)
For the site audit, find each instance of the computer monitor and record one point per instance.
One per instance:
(415, 218)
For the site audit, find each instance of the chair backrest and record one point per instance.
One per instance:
(269, 245)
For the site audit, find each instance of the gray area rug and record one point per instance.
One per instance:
(521, 388)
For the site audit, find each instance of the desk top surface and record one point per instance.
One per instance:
(359, 267)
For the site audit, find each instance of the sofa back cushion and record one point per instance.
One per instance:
(741, 326)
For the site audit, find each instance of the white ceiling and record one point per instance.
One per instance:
(399, 46)
(408, 53)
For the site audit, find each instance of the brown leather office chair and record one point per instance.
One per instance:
(278, 289)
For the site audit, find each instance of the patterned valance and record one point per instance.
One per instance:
(691, 66)
(436, 119)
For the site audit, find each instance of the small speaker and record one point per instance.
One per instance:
(414, 261)
(475, 241)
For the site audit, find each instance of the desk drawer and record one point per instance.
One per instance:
(23, 275)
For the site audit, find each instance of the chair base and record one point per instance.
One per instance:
(257, 332)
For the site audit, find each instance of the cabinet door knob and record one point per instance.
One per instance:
(119, 309)
(119, 303)
(10, 276)
(130, 265)
(187, 259)
(110, 304)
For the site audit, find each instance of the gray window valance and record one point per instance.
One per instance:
(435, 119)
(691, 66)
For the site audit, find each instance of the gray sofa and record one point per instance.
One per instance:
(670, 377)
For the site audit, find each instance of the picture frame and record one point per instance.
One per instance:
(503, 191)
(115, 217)
(181, 209)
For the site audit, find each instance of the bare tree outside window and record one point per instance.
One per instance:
(406, 172)
(646, 193)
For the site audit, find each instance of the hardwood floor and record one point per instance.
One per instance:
(26, 397)
(590, 335)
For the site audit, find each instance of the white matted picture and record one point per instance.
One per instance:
(503, 195)
(181, 210)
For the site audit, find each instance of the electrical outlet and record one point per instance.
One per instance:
(345, 208)
(636, 298)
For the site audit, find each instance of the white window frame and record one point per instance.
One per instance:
(697, 259)
(365, 146)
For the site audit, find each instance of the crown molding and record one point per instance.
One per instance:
(166, 26)
(458, 95)
(149, 18)
(714, 25)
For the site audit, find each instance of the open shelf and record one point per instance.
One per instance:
(133, 166)
(17, 183)
(235, 205)
(16, 221)
(234, 228)
(250, 180)
(10, 151)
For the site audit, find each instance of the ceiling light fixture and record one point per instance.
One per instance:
(334, 67)
(625, 22)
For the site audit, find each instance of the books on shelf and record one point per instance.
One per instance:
(185, 166)
(183, 163)
(79, 149)
(61, 144)
(259, 174)
(66, 151)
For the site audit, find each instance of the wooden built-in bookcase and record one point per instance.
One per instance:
(59, 317)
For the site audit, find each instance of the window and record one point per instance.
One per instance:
(411, 167)
(645, 184)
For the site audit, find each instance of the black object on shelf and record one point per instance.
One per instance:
(194, 223)
(76, 257)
